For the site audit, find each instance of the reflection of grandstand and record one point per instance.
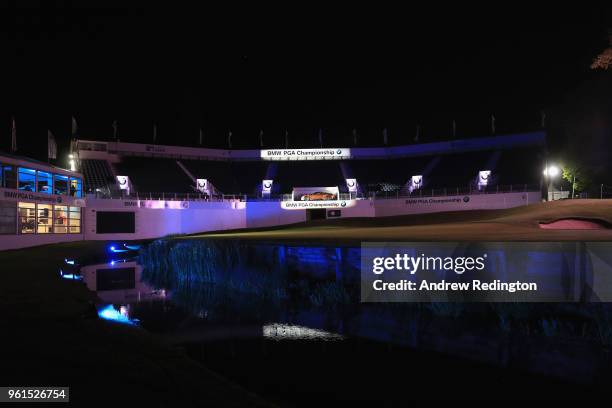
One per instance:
(447, 167)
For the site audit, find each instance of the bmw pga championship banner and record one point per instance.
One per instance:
(315, 197)
(306, 154)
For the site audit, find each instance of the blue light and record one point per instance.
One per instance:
(132, 247)
(69, 261)
(114, 249)
(70, 276)
(109, 312)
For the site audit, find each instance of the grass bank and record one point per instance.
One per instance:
(514, 224)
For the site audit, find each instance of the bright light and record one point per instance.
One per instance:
(109, 312)
(551, 171)
(71, 156)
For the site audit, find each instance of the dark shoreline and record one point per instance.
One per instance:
(53, 337)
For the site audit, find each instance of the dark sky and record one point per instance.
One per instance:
(286, 68)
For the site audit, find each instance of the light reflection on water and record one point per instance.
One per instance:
(305, 293)
(278, 331)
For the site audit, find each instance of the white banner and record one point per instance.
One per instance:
(416, 182)
(123, 182)
(306, 154)
(306, 205)
(483, 178)
(351, 184)
(266, 186)
(202, 185)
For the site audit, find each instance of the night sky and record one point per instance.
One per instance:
(281, 68)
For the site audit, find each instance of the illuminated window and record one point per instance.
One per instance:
(61, 184)
(9, 178)
(76, 187)
(74, 220)
(27, 218)
(45, 182)
(60, 219)
(43, 222)
(27, 179)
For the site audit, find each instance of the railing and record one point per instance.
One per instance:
(434, 192)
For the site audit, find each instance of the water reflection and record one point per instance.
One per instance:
(278, 331)
(194, 292)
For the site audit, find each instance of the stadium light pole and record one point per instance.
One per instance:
(550, 173)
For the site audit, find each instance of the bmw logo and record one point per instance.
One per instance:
(338, 151)
(466, 199)
(343, 204)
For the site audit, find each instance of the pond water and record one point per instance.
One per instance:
(285, 321)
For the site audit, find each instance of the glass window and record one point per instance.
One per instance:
(8, 218)
(44, 182)
(75, 220)
(76, 187)
(27, 218)
(27, 179)
(9, 178)
(61, 184)
(60, 219)
(43, 223)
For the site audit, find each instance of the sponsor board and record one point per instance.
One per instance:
(42, 198)
(315, 193)
(307, 205)
(438, 200)
(306, 154)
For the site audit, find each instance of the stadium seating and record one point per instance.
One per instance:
(155, 175)
(98, 175)
(441, 171)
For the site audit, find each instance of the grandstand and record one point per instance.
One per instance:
(448, 166)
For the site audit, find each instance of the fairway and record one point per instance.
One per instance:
(515, 224)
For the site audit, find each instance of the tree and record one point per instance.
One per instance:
(604, 60)
(576, 176)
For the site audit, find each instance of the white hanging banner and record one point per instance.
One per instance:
(351, 184)
(266, 186)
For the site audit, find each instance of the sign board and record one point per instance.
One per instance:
(416, 182)
(266, 186)
(483, 178)
(315, 197)
(309, 205)
(315, 194)
(123, 182)
(202, 185)
(351, 184)
(306, 154)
